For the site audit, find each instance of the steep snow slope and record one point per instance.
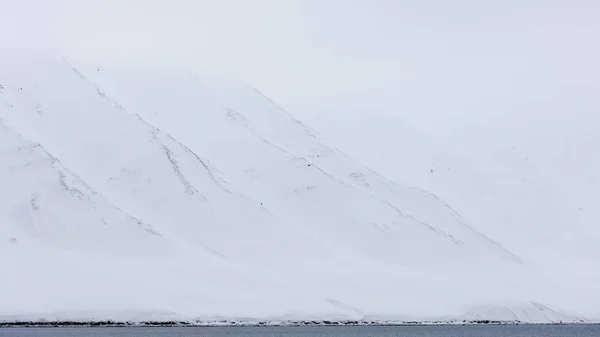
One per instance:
(144, 171)
(68, 253)
(43, 202)
(211, 201)
(534, 191)
(528, 183)
(270, 156)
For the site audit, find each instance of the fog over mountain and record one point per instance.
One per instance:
(301, 160)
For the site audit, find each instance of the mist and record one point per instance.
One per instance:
(437, 64)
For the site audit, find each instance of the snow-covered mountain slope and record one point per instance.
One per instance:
(43, 202)
(533, 188)
(185, 161)
(220, 204)
(528, 183)
(144, 171)
(525, 312)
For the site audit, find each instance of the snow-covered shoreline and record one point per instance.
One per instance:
(32, 324)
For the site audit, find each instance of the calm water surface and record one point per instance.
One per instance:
(366, 331)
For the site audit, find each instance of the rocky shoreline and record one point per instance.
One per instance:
(30, 324)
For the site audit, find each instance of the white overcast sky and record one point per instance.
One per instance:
(434, 62)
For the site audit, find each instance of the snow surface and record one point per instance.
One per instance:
(155, 193)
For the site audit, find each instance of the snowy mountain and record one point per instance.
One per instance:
(528, 183)
(138, 193)
(526, 186)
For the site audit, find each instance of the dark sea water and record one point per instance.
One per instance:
(367, 331)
